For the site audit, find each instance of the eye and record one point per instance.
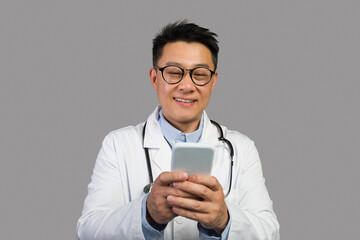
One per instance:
(201, 74)
(174, 73)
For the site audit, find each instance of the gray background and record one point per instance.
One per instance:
(71, 71)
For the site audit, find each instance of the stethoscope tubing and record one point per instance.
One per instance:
(147, 187)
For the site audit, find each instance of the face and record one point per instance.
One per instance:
(183, 103)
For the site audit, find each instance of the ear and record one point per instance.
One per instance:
(215, 77)
(153, 78)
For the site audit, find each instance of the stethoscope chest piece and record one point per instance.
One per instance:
(148, 187)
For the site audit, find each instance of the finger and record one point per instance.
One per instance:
(167, 178)
(209, 181)
(209, 221)
(164, 191)
(195, 189)
(178, 193)
(159, 211)
(197, 216)
(188, 203)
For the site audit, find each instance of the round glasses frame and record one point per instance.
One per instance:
(183, 73)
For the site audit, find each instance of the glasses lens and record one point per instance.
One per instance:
(172, 74)
(201, 75)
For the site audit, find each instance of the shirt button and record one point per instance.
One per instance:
(173, 142)
(183, 137)
(179, 220)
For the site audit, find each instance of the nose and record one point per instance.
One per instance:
(186, 84)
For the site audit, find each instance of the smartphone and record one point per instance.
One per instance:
(192, 158)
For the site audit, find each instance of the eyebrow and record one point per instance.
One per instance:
(196, 65)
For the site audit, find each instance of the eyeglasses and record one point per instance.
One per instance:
(174, 74)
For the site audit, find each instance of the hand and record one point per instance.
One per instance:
(210, 211)
(158, 209)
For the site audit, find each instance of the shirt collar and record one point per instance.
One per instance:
(173, 135)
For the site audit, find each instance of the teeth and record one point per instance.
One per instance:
(184, 101)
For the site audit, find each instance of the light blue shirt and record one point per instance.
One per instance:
(172, 136)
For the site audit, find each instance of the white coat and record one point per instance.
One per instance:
(112, 208)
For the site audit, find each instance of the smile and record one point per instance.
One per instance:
(184, 100)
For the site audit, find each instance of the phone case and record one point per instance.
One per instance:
(193, 158)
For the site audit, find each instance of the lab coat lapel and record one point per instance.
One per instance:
(221, 164)
(210, 133)
(159, 149)
(162, 159)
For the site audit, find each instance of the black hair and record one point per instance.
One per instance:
(187, 32)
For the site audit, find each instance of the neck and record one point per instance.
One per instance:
(185, 127)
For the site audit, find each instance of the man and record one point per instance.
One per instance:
(178, 206)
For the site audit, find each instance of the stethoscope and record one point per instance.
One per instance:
(147, 187)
